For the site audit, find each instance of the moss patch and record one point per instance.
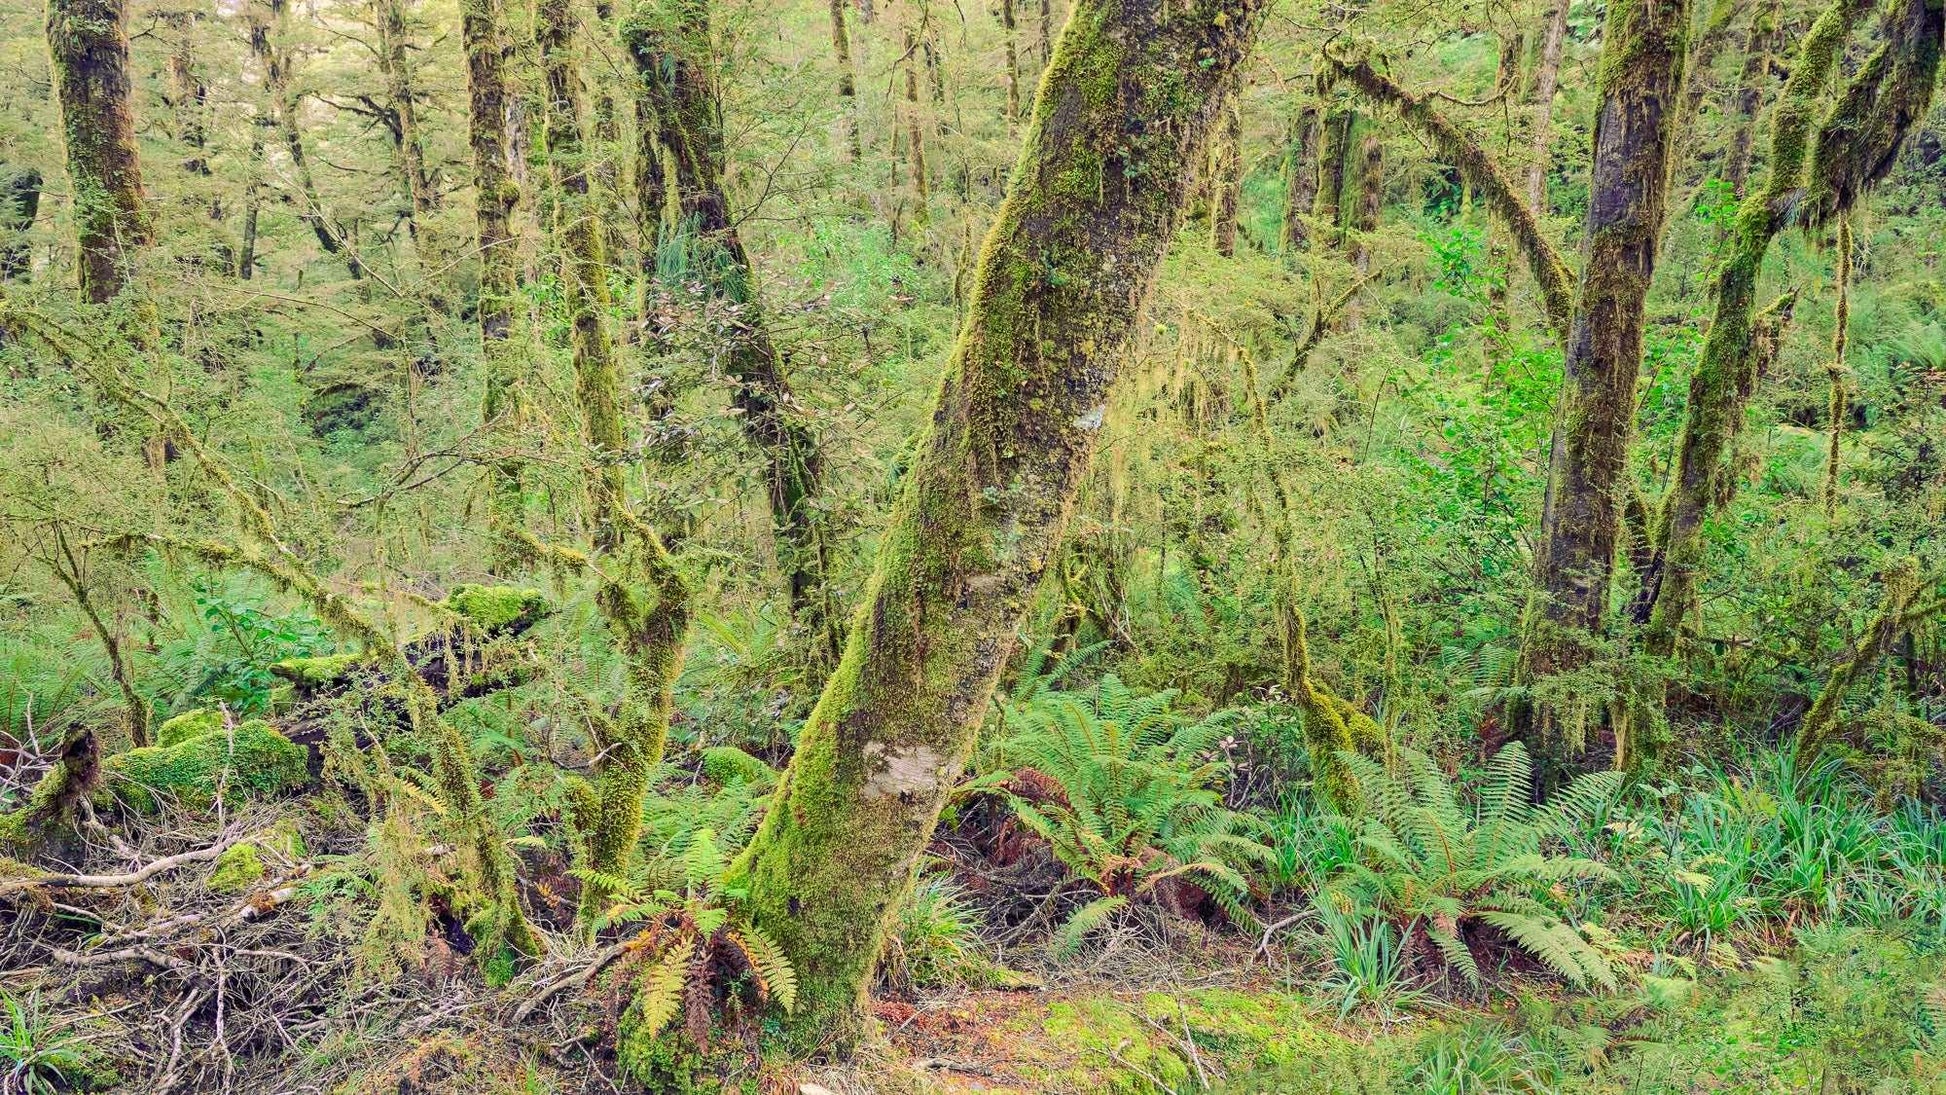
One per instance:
(189, 724)
(495, 609)
(240, 867)
(251, 760)
(317, 672)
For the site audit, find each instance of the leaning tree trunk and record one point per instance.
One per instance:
(670, 43)
(494, 196)
(641, 595)
(1641, 67)
(1123, 114)
(1811, 180)
(88, 40)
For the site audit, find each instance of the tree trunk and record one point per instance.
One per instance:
(394, 65)
(914, 131)
(1013, 64)
(1045, 31)
(1124, 112)
(1332, 169)
(1751, 83)
(494, 197)
(641, 594)
(847, 83)
(1635, 129)
(1226, 176)
(1547, 80)
(1371, 196)
(88, 40)
(20, 203)
(1723, 380)
(1840, 334)
(1301, 179)
(670, 43)
(188, 97)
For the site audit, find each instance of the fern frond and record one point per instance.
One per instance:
(1068, 941)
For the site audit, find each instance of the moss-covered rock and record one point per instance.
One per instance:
(727, 764)
(498, 609)
(240, 867)
(251, 760)
(187, 725)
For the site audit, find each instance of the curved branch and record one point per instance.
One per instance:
(1481, 172)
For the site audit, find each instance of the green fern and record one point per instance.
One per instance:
(1433, 865)
(1126, 794)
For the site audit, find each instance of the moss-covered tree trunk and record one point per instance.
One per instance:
(642, 595)
(494, 196)
(915, 136)
(1327, 212)
(88, 41)
(670, 43)
(1301, 179)
(1752, 79)
(1123, 115)
(1635, 129)
(1371, 198)
(1226, 176)
(1009, 32)
(1810, 177)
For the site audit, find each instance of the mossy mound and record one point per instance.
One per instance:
(728, 764)
(189, 724)
(252, 760)
(498, 609)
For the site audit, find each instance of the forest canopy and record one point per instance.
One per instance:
(1136, 546)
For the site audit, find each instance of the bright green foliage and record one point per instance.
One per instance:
(1127, 794)
(1432, 866)
(251, 760)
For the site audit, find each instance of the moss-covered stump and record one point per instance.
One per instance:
(253, 760)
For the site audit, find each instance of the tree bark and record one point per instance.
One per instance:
(88, 40)
(1333, 168)
(914, 131)
(1635, 129)
(394, 65)
(1840, 335)
(1124, 112)
(1547, 81)
(1301, 179)
(1007, 30)
(494, 196)
(670, 43)
(641, 594)
(1371, 196)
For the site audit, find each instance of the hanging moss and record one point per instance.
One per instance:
(250, 761)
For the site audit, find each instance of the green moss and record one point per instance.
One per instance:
(251, 760)
(727, 763)
(495, 609)
(318, 672)
(187, 725)
(240, 867)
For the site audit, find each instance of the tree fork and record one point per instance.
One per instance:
(1125, 109)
